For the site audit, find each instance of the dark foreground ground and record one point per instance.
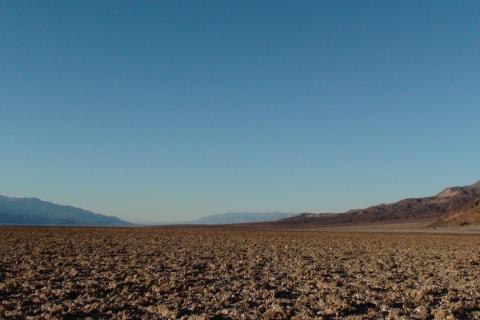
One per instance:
(137, 273)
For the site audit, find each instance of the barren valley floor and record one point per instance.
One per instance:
(214, 273)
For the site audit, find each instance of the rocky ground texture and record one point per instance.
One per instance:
(138, 273)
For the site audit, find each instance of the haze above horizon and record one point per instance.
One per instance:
(161, 111)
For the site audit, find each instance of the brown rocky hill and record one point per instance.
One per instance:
(462, 217)
(448, 207)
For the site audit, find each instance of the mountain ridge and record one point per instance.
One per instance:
(450, 201)
(241, 217)
(33, 211)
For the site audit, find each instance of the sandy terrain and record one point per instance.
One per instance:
(139, 273)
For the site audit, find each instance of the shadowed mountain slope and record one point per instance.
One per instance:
(33, 211)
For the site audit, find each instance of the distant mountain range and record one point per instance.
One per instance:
(241, 217)
(33, 211)
(456, 206)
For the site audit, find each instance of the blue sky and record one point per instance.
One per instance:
(171, 110)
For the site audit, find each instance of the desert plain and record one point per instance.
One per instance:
(220, 273)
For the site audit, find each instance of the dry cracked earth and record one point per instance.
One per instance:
(137, 273)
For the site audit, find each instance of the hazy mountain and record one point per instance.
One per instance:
(242, 217)
(33, 211)
(456, 205)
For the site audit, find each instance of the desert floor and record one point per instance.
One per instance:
(214, 273)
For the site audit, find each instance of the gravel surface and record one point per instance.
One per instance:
(148, 273)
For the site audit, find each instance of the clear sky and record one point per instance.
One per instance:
(171, 110)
